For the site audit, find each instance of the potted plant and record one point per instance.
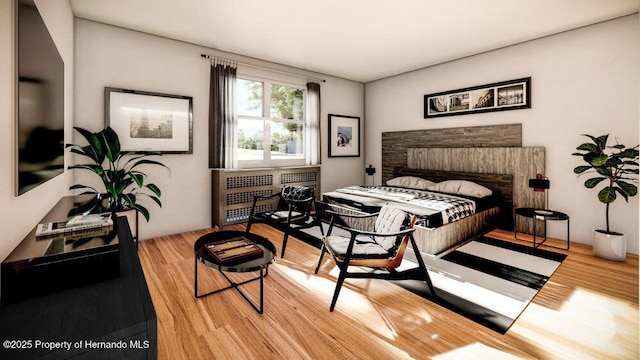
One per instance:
(119, 171)
(617, 167)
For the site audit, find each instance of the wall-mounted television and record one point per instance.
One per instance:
(40, 100)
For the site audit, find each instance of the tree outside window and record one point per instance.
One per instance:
(284, 123)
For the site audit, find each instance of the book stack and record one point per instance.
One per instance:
(76, 227)
(234, 251)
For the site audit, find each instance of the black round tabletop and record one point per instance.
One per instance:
(542, 214)
(254, 264)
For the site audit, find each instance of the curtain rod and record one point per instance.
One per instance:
(214, 58)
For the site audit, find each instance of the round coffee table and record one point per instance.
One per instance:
(260, 264)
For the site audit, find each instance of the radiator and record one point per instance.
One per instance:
(232, 190)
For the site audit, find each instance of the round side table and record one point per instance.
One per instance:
(544, 215)
(260, 264)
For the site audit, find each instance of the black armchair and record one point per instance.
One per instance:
(294, 210)
(380, 249)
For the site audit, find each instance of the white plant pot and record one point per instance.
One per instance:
(609, 246)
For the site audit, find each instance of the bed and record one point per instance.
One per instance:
(444, 218)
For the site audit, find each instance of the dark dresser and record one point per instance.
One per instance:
(88, 312)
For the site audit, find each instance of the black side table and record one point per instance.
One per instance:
(544, 215)
(260, 264)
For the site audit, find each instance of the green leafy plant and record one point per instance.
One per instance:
(616, 166)
(119, 171)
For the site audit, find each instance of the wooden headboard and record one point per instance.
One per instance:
(483, 150)
(396, 143)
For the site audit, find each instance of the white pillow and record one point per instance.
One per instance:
(461, 187)
(410, 182)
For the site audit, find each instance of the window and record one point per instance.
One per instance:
(271, 123)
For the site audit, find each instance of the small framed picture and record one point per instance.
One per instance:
(344, 136)
(147, 121)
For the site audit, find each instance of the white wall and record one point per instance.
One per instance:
(19, 214)
(583, 82)
(342, 97)
(116, 57)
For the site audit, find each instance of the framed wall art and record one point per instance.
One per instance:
(344, 136)
(505, 95)
(147, 121)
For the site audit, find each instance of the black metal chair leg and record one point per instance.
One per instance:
(422, 266)
(249, 225)
(195, 276)
(284, 242)
(341, 277)
(322, 251)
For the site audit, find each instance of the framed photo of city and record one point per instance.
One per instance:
(344, 136)
(505, 95)
(147, 121)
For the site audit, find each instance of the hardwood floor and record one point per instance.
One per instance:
(587, 310)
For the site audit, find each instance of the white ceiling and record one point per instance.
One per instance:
(361, 40)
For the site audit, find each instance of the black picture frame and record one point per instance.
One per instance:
(505, 95)
(344, 136)
(167, 120)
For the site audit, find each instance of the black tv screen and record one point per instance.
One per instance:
(40, 108)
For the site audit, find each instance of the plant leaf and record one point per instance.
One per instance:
(76, 149)
(148, 162)
(155, 199)
(80, 186)
(607, 195)
(599, 160)
(91, 167)
(628, 189)
(601, 141)
(602, 171)
(133, 158)
(591, 183)
(588, 147)
(138, 178)
(109, 140)
(621, 192)
(94, 149)
(119, 187)
(130, 199)
(581, 169)
(143, 210)
(154, 188)
(629, 153)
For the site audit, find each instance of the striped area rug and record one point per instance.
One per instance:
(487, 280)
